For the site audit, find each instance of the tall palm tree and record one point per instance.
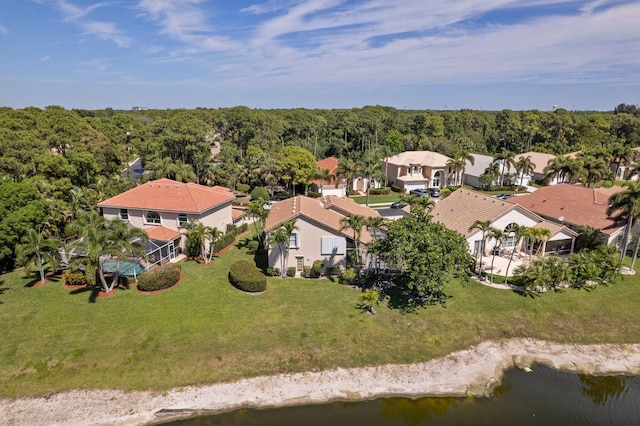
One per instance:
(483, 226)
(628, 204)
(559, 167)
(348, 169)
(123, 243)
(492, 173)
(498, 235)
(466, 157)
(537, 235)
(211, 234)
(519, 232)
(456, 165)
(279, 239)
(525, 166)
(37, 249)
(375, 223)
(505, 157)
(289, 228)
(354, 222)
(420, 206)
(257, 211)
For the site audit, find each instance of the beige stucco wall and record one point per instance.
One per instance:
(514, 216)
(310, 247)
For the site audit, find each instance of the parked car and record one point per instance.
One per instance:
(398, 205)
(435, 192)
(504, 196)
(422, 192)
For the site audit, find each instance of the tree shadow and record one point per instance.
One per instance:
(261, 261)
(93, 291)
(3, 289)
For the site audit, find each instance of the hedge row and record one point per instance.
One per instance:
(245, 276)
(380, 191)
(160, 278)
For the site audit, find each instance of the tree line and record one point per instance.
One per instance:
(57, 163)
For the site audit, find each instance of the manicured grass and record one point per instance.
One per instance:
(377, 199)
(204, 330)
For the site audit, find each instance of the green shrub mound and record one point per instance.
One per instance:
(260, 192)
(245, 276)
(160, 278)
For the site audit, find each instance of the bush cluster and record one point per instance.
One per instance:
(245, 276)
(159, 278)
(306, 271)
(260, 192)
(75, 279)
(313, 194)
(291, 271)
(396, 188)
(316, 269)
(273, 272)
(243, 187)
(380, 191)
(332, 271)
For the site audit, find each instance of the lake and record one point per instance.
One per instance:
(541, 397)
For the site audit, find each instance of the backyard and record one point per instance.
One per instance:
(204, 330)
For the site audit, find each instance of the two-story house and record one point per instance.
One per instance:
(161, 207)
(417, 170)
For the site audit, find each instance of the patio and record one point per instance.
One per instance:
(502, 260)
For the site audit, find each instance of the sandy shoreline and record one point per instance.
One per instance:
(474, 371)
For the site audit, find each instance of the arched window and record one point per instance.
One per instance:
(153, 217)
(436, 180)
(509, 239)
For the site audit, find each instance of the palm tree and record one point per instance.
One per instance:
(492, 173)
(466, 157)
(348, 169)
(195, 233)
(558, 167)
(211, 234)
(124, 242)
(354, 222)
(375, 223)
(518, 232)
(93, 242)
(280, 239)
(289, 226)
(419, 206)
(257, 211)
(628, 204)
(37, 249)
(456, 165)
(506, 157)
(524, 166)
(498, 235)
(539, 235)
(485, 227)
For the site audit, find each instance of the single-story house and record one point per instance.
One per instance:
(463, 207)
(333, 185)
(160, 207)
(574, 206)
(540, 160)
(318, 236)
(417, 170)
(472, 172)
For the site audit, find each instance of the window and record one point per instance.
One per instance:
(124, 215)
(333, 245)
(436, 180)
(294, 240)
(182, 219)
(416, 170)
(152, 217)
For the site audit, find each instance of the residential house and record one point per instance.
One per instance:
(162, 206)
(540, 160)
(417, 169)
(576, 205)
(318, 236)
(333, 185)
(463, 207)
(472, 172)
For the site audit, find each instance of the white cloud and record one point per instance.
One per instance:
(3, 30)
(106, 31)
(44, 59)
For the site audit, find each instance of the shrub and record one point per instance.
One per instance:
(159, 278)
(253, 246)
(306, 271)
(291, 271)
(352, 192)
(260, 192)
(243, 187)
(273, 272)
(349, 276)
(75, 279)
(396, 188)
(332, 270)
(316, 269)
(224, 241)
(242, 228)
(245, 276)
(380, 191)
(231, 227)
(313, 194)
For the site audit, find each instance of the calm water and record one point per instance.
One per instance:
(542, 397)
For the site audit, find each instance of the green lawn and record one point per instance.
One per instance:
(203, 330)
(377, 199)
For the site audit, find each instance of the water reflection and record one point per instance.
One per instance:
(601, 388)
(542, 397)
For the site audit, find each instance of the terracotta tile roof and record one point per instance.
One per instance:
(169, 195)
(540, 159)
(463, 207)
(576, 204)
(237, 213)
(326, 211)
(160, 233)
(423, 158)
(330, 164)
(554, 228)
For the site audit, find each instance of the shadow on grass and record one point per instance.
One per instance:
(3, 289)
(262, 262)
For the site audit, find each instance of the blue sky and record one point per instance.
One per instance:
(413, 54)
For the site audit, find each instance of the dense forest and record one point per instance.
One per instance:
(55, 163)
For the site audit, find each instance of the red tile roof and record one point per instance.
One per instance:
(160, 233)
(325, 210)
(330, 164)
(576, 204)
(169, 195)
